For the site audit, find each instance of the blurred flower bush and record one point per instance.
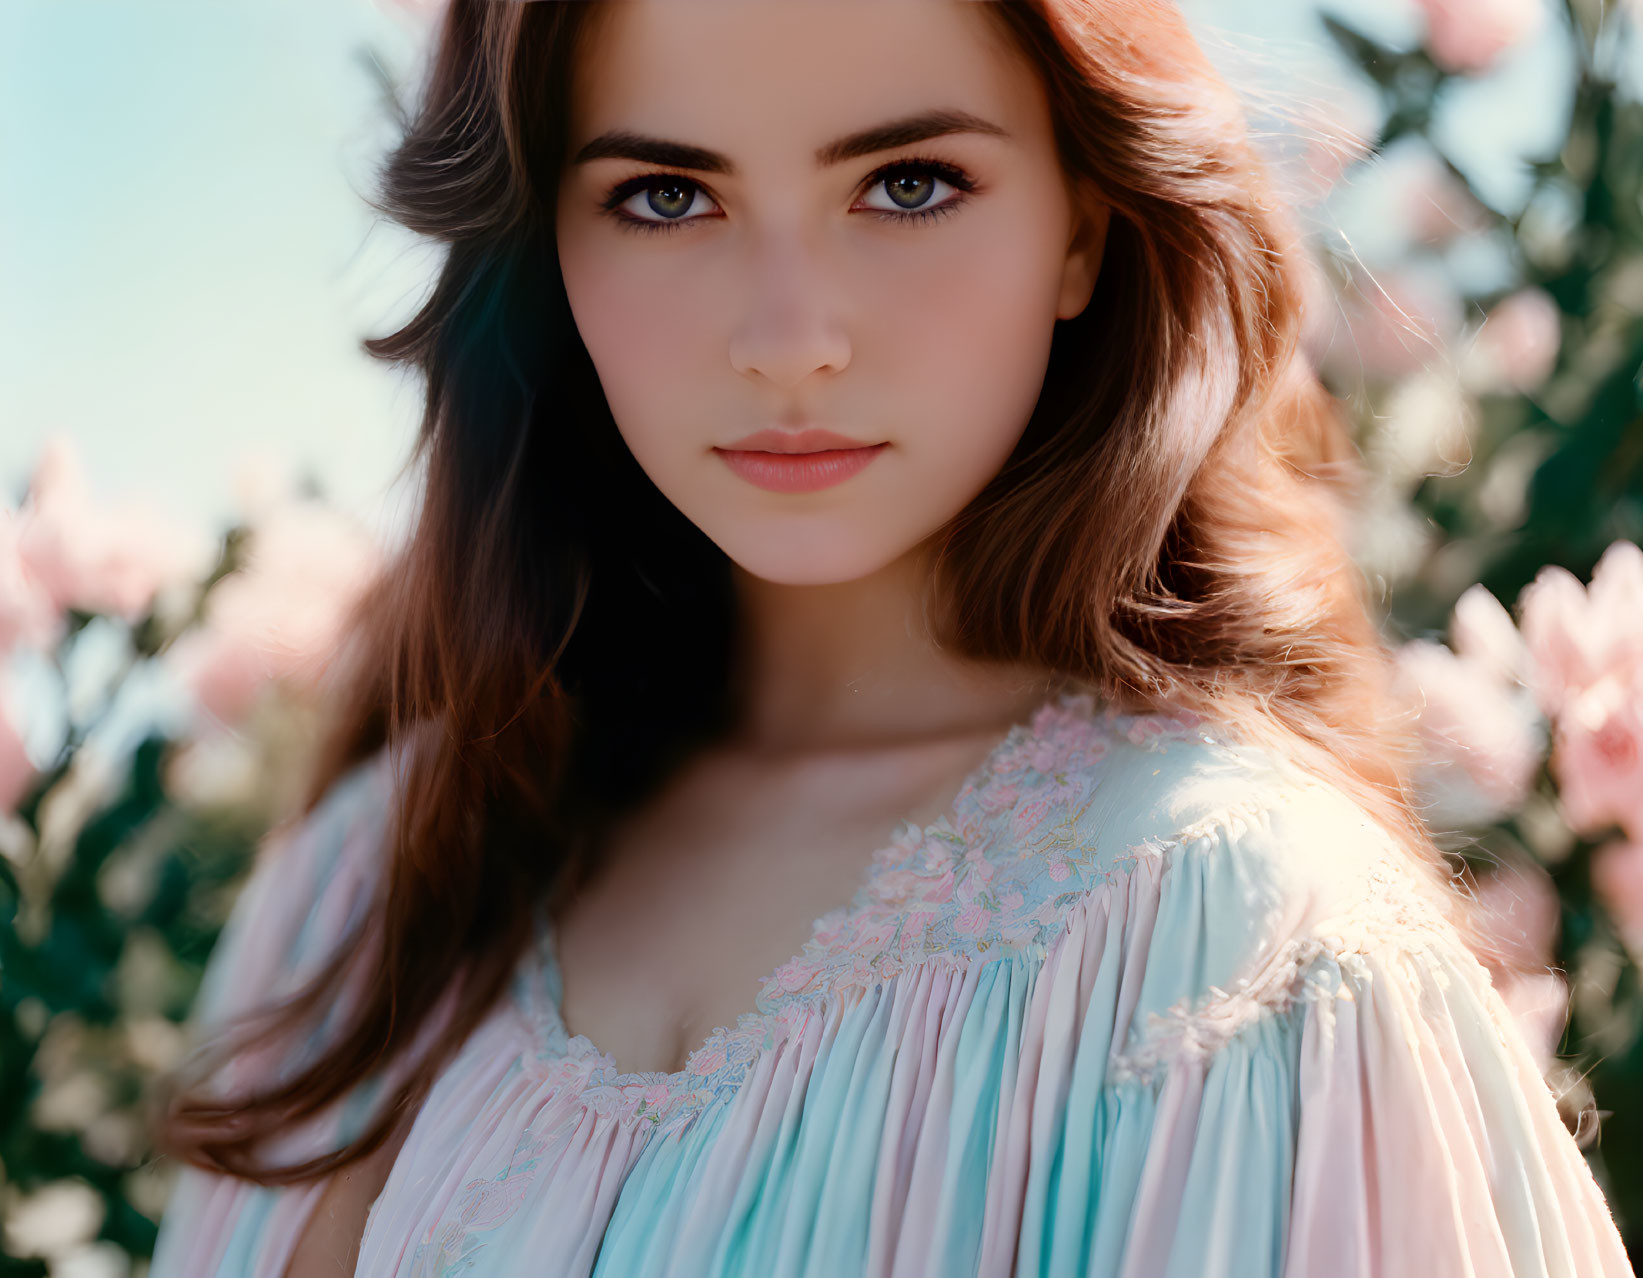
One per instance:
(1493, 359)
(159, 689)
(158, 704)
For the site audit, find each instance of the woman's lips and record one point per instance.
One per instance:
(799, 472)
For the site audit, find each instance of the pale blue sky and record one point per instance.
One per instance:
(186, 263)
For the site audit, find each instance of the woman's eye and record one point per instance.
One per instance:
(911, 191)
(665, 195)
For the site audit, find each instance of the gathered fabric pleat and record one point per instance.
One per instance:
(1244, 1046)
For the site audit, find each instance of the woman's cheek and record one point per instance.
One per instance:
(979, 361)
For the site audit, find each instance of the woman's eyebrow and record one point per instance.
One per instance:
(625, 145)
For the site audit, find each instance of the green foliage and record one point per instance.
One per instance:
(95, 985)
(1586, 491)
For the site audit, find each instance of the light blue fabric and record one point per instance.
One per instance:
(1147, 1003)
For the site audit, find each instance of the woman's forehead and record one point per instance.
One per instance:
(801, 72)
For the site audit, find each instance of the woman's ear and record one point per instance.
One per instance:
(1084, 252)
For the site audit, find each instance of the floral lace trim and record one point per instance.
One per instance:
(941, 895)
(1392, 912)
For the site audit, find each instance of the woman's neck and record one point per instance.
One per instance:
(850, 665)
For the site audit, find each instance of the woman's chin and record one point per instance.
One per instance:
(810, 561)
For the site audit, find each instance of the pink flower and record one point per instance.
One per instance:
(1470, 35)
(973, 920)
(1517, 346)
(1482, 632)
(1617, 878)
(280, 616)
(1598, 758)
(28, 613)
(1579, 635)
(1586, 665)
(1483, 737)
(16, 769)
(101, 556)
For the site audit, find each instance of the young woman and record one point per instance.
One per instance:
(874, 760)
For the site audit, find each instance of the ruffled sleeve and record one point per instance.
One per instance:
(310, 884)
(1427, 1140)
(1258, 1049)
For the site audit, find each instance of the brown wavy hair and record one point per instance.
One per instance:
(1170, 531)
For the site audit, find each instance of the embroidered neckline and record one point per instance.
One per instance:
(1036, 774)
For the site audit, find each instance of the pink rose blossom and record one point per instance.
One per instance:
(1579, 635)
(1470, 35)
(1598, 758)
(1586, 666)
(1483, 738)
(280, 617)
(99, 556)
(1482, 632)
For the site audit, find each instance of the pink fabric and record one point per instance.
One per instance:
(1154, 1006)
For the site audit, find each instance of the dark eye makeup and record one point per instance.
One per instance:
(913, 166)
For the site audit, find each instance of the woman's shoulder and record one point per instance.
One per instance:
(1181, 837)
(1119, 788)
(312, 880)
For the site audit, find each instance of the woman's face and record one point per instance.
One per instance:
(744, 250)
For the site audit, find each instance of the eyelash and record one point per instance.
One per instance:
(953, 176)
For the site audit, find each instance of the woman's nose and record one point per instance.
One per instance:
(793, 324)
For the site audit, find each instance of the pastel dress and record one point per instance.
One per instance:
(1148, 1001)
